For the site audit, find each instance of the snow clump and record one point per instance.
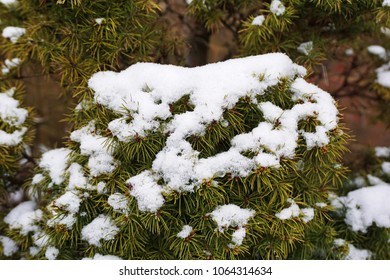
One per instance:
(147, 95)
(277, 7)
(14, 116)
(366, 206)
(13, 33)
(259, 20)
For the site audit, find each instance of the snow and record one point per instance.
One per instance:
(259, 20)
(382, 152)
(366, 206)
(99, 20)
(349, 52)
(100, 160)
(77, 180)
(143, 93)
(277, 7)
(305, 48)
(383, 75)
(238, 236)
(378, 51)
(353, 252)
(230, 215)
(118, 202)
(306, 214)
(9, 64)
(290, 212)
(386, 167)
(51, 253)
(69, 201)
(37, 179)
(12, 139)
(10, 112)
(145, 189)
(55, 163)
(374, 180)
(40, 239)
(24, 217)
(9, 246)
(185, 232)
(321, 204)
(61, 219)
(357, 254)
(8, 2)
(101, 228)
(34, 251)
(103, 257)
(13, 33)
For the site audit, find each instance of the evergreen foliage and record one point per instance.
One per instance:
(84, 198)
(376, 173)
(77, 201)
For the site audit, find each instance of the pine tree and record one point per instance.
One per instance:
(151, 172)
(247, 184)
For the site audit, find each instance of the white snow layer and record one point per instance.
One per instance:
(366, 206)
(118, 202)
(9, 246)
(103, 257)
(378, 50)
(100, 160)
(8, 2)
(353, 252)
(9, 64)
(51, 253)
(382, 152)
(13, 33)
(306, 214)
(11, 114)
(305, 48)
(277, 7)
(55, 163)
(231, 215)
(259, 20)
(185, 232)
(147, 90)
(24, 217)
(101, 228)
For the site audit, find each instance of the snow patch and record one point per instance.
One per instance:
(118, 202)
(259, 20)
(101, 228)
(306, 214)
(148, 193)
(230, 215)
(185, 232)
(378, 51)
(305, 48)
(51, 253)
(103, 257)
(277, 7)
(366, 206)
(55, 163)
(95, 146)
(9, 246)
(13, 33)
(9, 64)
(24, 217)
